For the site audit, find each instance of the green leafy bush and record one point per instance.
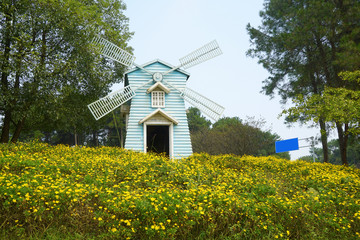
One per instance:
(60, 192)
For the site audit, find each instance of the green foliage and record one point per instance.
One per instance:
(353, 152)
(298, 41)
(305, 45)
(336, 105)
(111, 193)
(49, 69)
(232, 136)
(196, 121)
(115, 129)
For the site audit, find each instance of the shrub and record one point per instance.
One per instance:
(49, 192)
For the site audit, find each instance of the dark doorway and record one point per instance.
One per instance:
(157, 139)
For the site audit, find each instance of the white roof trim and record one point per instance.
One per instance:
(159, 85)
(162, 62)
(162, 113)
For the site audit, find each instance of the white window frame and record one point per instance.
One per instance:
(158, 99)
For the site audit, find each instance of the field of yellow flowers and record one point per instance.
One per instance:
(61, 192)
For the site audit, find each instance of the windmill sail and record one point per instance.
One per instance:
(112, 51)
(108, 103)
(205, 105)
(200, 55)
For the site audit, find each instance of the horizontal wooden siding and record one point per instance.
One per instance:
(174, 106)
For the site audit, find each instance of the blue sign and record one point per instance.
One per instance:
(287, 145)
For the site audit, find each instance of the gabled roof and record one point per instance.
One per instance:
(162, 113)
(162, 62)
(158, 85)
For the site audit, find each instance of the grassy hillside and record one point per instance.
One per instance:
(62, 192)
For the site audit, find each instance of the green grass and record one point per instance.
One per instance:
(60, 192)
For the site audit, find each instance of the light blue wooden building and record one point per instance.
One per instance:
(157, 119)
(156, 93)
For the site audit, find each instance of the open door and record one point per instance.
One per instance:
(157, 139)
(158, 130)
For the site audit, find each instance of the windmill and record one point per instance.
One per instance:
(157, 90)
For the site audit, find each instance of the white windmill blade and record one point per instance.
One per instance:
(113, 52)
(110, 50)
(206, 52)
(200, 55)
(108, 103)
(205, 105)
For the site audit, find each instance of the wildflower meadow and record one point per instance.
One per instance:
(62, 192)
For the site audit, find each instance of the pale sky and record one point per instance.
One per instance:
(170, 29)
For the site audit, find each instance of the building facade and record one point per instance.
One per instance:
(157, 119)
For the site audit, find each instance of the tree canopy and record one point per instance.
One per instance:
(353, 152)
(196, 121)
(340, 105)
(49, 71)
(231, 136)
(305, 45)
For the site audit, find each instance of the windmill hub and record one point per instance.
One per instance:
(157, 77)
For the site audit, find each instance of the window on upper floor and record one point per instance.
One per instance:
(158, 99)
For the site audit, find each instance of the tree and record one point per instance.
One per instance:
(233, 136)
(353, 152)
(115, 129)
(302, 44)
(196, 122)
(49, 71)
(337, 105)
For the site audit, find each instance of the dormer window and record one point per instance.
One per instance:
(158, 91)
(158, 99)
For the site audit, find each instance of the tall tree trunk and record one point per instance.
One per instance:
(20, 123)
(314, 76)
(5, 132)
(343, 137)
(18, 129)
(95, 139)
(16, 93)
(121, 137)
(324, 140)
(75, 137)
(323, 58)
